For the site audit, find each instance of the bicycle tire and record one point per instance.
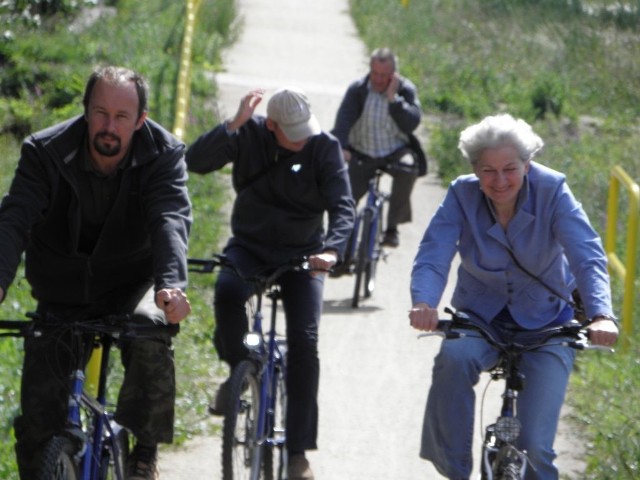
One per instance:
(509, 472)
(241, 453)
(275, 454)
(111, 464)
(362, 259)
(509, 464)
(376, 254)
(57, 462)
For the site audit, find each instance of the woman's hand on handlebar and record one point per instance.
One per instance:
(423, 317)
(603, 332)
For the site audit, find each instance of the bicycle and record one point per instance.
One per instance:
(501, 459)
(366, 246)
(254, 433)
(92, 445)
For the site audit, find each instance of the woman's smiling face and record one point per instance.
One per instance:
(501, 173)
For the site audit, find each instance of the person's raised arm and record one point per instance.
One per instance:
(246, 109)
(392, 89)
(217, 147)
(404, 106)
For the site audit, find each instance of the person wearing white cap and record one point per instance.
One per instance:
(287, 174)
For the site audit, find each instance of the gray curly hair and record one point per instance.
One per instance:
(498, 131)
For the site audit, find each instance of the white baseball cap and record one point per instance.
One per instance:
(291, 110)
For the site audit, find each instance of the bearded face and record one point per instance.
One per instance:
(112, 118)
(107, 144)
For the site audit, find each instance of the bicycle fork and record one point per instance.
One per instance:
(85, 453)
(499, 455)
(271, 435)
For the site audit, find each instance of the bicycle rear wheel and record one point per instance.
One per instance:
(362, 256)
(58, 461)
(241, 452)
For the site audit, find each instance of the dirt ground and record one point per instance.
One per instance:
(375, 373)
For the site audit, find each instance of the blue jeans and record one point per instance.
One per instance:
(447, 433)
(302, 303)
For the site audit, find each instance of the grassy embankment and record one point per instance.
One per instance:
(571, 69)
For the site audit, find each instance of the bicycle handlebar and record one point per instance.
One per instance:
(575, 334)
(117, 325)
(17, 328)
(264, 280)
(208, 265)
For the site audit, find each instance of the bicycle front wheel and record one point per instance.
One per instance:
(241, 450)
(58, 460)
(114, 454)
(275, 452)
(510, 464)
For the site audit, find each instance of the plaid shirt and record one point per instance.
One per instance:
(375, 133)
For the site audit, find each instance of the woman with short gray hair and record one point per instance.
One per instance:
(525, 244)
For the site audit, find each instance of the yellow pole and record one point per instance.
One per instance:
(183, 89)
(92, 372)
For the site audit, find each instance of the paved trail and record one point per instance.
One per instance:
(374, 372)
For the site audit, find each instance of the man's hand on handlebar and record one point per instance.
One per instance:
(321, 263)
(174, 303)
(423, 317)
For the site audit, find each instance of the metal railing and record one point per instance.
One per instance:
(627, 270)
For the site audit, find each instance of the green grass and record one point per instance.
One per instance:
(571, 70)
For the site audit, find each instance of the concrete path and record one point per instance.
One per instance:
(375, 374)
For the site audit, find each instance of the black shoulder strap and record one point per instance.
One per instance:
(521, 267)
(539, 280)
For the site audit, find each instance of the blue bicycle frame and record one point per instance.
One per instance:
(92, 451)
(372, 204)
(270, 355)
(366, 240)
